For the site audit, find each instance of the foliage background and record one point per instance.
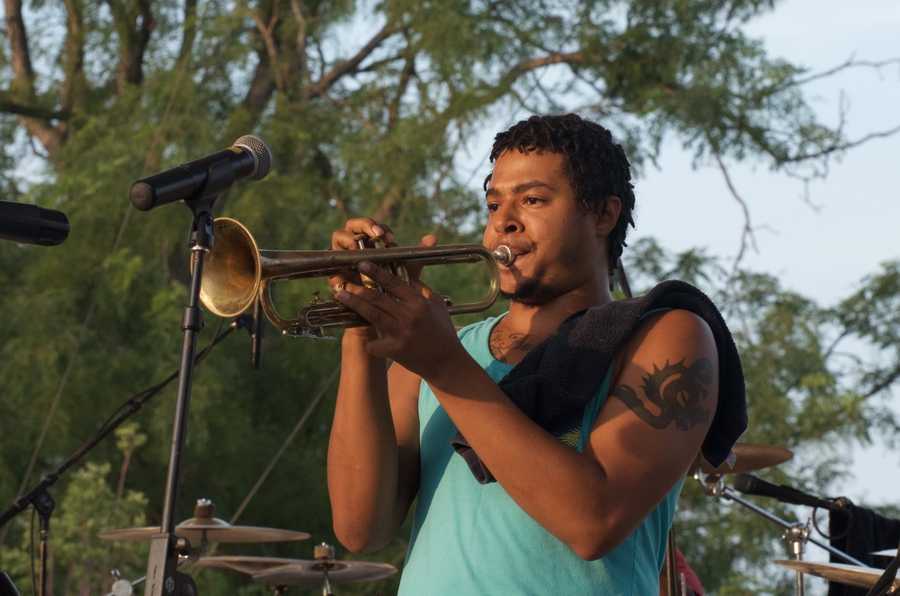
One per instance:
(368, 108)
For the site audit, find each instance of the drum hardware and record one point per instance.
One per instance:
(238, 273)
(861, 576)
(796, 534)
(323, 570)
(204, 528)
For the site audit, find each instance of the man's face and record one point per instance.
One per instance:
(532, 208)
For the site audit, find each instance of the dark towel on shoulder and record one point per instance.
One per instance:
(554, 382)
(859, 532)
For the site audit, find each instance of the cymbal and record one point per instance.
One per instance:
(241, 564)
(852, 575)
(890, 552)
(203, 527)
(747, 457)
(312, 573)
(215, 530)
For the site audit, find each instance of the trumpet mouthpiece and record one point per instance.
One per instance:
(504, 255)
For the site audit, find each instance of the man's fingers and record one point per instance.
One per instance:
(415, 271)
(369, 304)
(370, 228)
(389, 282)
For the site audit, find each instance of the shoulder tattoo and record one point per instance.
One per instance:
(673, 393)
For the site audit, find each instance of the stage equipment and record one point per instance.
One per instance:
(238, 273)
(248, 157)
(30, 224)
(751, 485)
(203, 528)
(859, 576)
(796, 534)
(198, 184)
(323, 571)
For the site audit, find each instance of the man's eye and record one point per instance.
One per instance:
(533, 200)
(492, 207)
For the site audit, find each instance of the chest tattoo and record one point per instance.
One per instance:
(502, 342)
(674, 393)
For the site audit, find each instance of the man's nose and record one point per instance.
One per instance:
(506, 220)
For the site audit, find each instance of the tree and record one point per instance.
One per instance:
(367, 108)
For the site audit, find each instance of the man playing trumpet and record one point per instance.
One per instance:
(580, 512)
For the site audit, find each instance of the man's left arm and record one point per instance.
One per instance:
(646, 437)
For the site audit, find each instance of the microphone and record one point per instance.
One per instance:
(248, 157)
(30, 224)
(751, 485)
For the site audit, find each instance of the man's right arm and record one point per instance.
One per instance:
(373, 451)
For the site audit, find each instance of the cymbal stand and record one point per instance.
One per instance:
(324, 552)
(796, 534)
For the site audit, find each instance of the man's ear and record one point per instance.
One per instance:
(607, 216)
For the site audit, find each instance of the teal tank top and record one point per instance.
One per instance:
(472, 539)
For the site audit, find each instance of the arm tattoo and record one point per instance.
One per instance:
(676, 393)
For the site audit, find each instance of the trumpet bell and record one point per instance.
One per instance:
(232, 270)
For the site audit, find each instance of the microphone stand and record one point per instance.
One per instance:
(796, 534)
(163, 579)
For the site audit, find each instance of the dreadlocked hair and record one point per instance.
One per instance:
(595, 164)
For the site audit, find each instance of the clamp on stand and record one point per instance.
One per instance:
(796, 534)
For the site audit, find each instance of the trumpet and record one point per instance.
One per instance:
(237, 273)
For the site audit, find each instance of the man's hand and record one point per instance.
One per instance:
(347, 238)
(412, 322)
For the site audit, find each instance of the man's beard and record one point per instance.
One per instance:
(531, 292)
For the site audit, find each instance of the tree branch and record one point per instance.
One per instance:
(10, 106)
(409, 69)
(23, 81)
(345, 67)
(23, 73)
(74, 85)
(188, 31)
(132, 41)
(886, 382)
(267, 33)
(881, 134)
(299, 62)
(747, 235)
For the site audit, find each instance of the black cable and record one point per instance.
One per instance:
(31, 552)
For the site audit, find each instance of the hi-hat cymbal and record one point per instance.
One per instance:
(312, 573)
(203, 527)
(747, 457)
(851, 575)
(242, 564)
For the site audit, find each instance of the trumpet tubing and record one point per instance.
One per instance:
(237, 272)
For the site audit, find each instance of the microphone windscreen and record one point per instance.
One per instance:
(262, 155)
